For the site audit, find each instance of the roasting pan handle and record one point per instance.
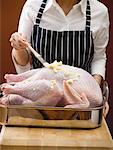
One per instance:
(105, 91)
(1, 91)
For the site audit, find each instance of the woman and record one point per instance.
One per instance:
(74, 31)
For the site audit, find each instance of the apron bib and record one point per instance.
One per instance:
(73, 48)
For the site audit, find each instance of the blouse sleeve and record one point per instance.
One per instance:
(100, 44)
(26, 22)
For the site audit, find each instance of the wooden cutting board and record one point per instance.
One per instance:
(24, 138)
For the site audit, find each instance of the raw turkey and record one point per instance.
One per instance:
(56, 85)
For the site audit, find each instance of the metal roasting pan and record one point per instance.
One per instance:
(35, 116)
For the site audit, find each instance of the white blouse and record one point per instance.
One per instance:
(54, 18)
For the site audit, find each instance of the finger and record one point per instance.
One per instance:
(18, 47)
(14, 35)
(18, 37)
(21, 39)
(10, 39)
(15, 45)
(22, 43)
(23, 36)
(18, 44)
(14, 38)
(106, 109)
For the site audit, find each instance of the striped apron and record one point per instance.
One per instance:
(73, 48)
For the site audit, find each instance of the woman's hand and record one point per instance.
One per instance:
(19, 52)
(18, 42)
(99, 79)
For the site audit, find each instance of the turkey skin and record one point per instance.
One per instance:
(56, 85)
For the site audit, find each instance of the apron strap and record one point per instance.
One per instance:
(40, 13)
(88, 16)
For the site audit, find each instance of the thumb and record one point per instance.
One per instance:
(24, 37)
